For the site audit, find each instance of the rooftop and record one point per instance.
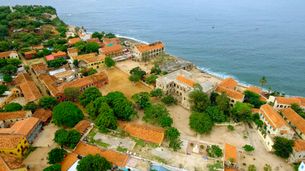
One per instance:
(72, 50)
(274, 118)
(288, 100)
(68, 161)
(299, 145)
(295, 119)
(184, 80)
(82, 126)
(42, 114)
(11, 162)
(13, 115)
(10, 141)
(72, 41)
(23, 127)
(230, 92)
(114, 157)
(6, 54)
(31, 52)
(59, 54)
(153, 46)
(110, 49)
(144, 132)
(254, 89)
(39, 67)
(28, 87)
(230, 152)
(228, 83)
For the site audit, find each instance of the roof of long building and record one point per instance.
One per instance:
(294, 118)
(273, 117)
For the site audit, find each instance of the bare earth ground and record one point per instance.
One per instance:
(118, 81)
(46, 136)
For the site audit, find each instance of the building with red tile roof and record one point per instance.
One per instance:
(230, 158)
(69, 160)
(30, 54)
(295, 121)
(228, 86)
(229, 83)
(82, 126)
(148, 51)
(16, 145)
(28, 88)
(10, 117)
(72, 52)
(39, 68)
(284, 102)
(9, 162)
(9, 55)
(298, 153)
(73, 41)
(112, 50)
(144, 132)
(44, 115)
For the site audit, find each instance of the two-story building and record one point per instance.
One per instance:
(112, 50)
(298, 153)
(8, 118)
(28, 87)
(9, 55)
(295, 121)
(228, 86)
(16, 145)
(90, 60)
(145, 52)
(274, 125)
(284, 102)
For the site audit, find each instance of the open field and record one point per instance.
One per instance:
(118, 81)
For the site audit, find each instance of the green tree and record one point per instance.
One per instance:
(89, 95)
(175, 144)
(76, 63)
(242, 112)
(165, 121)
(199, 101)
(251, 167)
(253, 99)
(14, 62)
(138, 71)
(93, 163)
(248, 148)
(172, 133)
(93, 107)
(215, 114)
(214, 151)
(110, 35)
(54, 167)
(155, 70)
(223, 102)
(3, 88)
(169, 100)
(56, 63)
(9, 69)
(263, 81)
(267, 167)
(67, 138)
(282, 147)
(151, 79)
(56, 155)
(7, 78)
(11, 107)
(31, 106)
(142, 99)
(156, 93)
(123, 109)
(66, 114)
(201, 122)
(98, 35)
(106, 119)
(298, 110)
(47, 102)
(134, 78)
(109, 62)
(72, 93)
(155, 114)
(91, 47)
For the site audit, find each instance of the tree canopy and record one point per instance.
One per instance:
(109, 62)
(72, 93)
(298, 110)
(215, 114)
(54, 167)
(282, 147)
(201, 122)
(67, 138)
(199, 101)
(142, 99)
(157, 114)
(105, 119)
(3, 88)
(214, 151)
(67, 114)
(47, 102)
(56, 155)
(253, 99)
(11, 107)
(89, 95)
(93, 163)
(169, 100)
(242, 112)
(56, 63)
(156, 93)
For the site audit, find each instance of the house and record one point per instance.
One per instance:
(147, 133)
(112, 50)
(44, 115)
(298, 153)
(39, 68)
(56, 55)
(82, 126)
(29, 128)
(274, 125)
(295, 121)
(73, 41)
(285, 102)
(96, 40)
(9, 55)
(11, 117)
(9, 162)
(63, 74)
(230, 158)
(91, 60)
(16, 145)
(28, 87)
(70, 162)
(180, 83)
(228, 86)
(72, 52)
(30, 54)
(144, 52)
(37, 47)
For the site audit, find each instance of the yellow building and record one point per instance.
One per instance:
(91, 60)
(16, 145)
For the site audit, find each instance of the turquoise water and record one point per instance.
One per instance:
(246, 39)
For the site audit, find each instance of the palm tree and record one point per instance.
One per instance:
(263, 81)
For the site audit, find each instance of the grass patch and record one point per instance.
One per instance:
(121, 149)
(102, 144)
(159, 159)
(139, 142)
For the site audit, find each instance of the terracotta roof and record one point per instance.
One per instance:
(3, 166)
(98, 58)
(82, 126)
(85, 56)
(50, 57)
(11, 162)
(274, 118)
(6, 54)
(68, 161)
(72, 50)
(185, 80)
(49, 81)
(31, 52)
(59, 54)
(111, 49)
(302, 99)
(144, 132)
(23, 127)
(107, 41)
(12, 115)
(22, 77)
(39, 67)
(230, 93)
(295, 119)
(72, 41)
(37, 47)
(28, 87)
(10, 141)
(254, 110)
(288, 100)
(153, 46)
(42, 114)
(228, 83)
(254, 89)
(299, 145)
(114, 157)
(230, 152)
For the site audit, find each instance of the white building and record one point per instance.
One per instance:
(144, 52)
(285, 102)
(180, 83)
(230, 87)
(274, 125)
(295, 121)
(9, 55)
(298, 153)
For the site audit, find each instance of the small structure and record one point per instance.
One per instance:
(112, 50)
(82, 126)
(44, 115)
(37, 47)
(144, 132)
(91, 60)
(16, 145)
(175, 65)
(73, 41)
(298, 153)
(39, 68)
(230, 158)
(30, 54)
(9, 55)
(144, 52)
(229, 87)
(72, 52)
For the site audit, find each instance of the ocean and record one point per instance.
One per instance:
(244, 39)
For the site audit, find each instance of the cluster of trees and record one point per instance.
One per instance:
(214, 151)
(88, 71)
(136, 74)
(56, 155)
(109, 62)
(283, 147)
(11, 107)
(56, 63)
(253, 98)
(8, 68)
(3, 88)
(87, 47)
(53, 167)
(66, 114)
(101, 35)
(67, 138)
(93, 163)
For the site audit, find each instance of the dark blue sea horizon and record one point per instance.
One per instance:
(245, 39)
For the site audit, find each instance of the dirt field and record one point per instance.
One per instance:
(45, 137)
(118, 81)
